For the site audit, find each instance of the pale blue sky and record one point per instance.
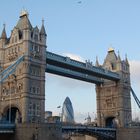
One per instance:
(85, 29)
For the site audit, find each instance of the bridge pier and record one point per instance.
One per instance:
(128, 134)
(7, 136)
(83, 137)
(34, 131)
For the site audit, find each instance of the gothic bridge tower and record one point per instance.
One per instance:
(113, 98)
(22, 94)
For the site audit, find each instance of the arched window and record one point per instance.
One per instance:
(20, 86)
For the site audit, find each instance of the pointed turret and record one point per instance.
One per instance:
(42, 30)
(88, 119)
(126, 60)
(97, 62)
(24, 22)
(119, 62)
(3, 35)
(119, 58)
(111, 56)
(43, 34)
(110, 60)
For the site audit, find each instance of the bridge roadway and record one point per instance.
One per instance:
(103, 133)
(65, 66)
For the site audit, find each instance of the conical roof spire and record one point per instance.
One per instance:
(42, 31)
(97, 62)
(119, 58)
(126, 60)
(24, 22)
(111, 56)
(3, 35)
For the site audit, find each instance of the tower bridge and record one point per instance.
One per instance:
(24, 61)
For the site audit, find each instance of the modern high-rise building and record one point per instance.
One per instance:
(67, 111)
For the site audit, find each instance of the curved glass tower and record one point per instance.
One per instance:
(67, 111)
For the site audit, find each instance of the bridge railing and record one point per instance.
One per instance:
(109, 133)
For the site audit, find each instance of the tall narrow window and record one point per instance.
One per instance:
(19, 48)
(36, 37)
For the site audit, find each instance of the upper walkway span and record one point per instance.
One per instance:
(68, 67)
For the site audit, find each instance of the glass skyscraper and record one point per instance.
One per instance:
(67, 111)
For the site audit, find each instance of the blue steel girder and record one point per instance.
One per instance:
(7, 128)
(135, 97)
(73, 74)
(106, 133)
(68, 63)
(9, 70)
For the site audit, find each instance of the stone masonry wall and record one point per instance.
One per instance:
(128, 134)
(35, 132)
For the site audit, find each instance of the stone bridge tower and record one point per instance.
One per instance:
(113, 98)
(22, 94)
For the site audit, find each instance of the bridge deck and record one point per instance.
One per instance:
(86, 68)
(106, 133)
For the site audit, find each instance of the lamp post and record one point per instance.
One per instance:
(59, 114)
(9, 102)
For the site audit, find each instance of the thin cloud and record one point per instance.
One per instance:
(74, 56)
(68, 82)
(135, 71)
(135, 82)
(135, 75)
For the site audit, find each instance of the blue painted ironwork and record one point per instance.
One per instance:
(86, 68)
(73, 74)
(8, 71)
(6, 127)
(135, 97)
(106, 133)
